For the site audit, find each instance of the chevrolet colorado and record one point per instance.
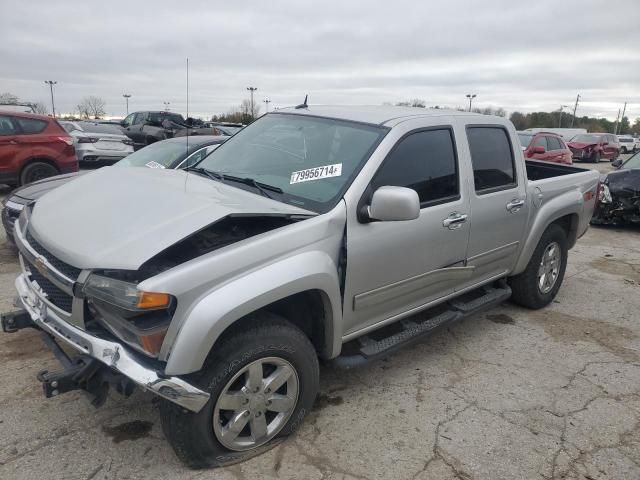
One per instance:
(339, 233)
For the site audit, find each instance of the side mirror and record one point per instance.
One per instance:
(123, 123)
(539, 149)
(394, 204)
(617, 163)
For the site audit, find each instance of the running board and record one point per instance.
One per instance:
(412, 330)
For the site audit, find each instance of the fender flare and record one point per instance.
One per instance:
(221, 307)
(568, 203)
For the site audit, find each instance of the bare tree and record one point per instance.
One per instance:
(91, 107)
(40, 107)
(8, 98)
(416, 102)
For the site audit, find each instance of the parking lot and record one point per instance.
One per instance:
(510, 393)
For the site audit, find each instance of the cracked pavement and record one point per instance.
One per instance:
(507, 394)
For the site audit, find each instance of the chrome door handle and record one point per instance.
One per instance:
(454, 220)
(514, 205)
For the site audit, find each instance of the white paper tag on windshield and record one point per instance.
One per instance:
(153, 164)
(316, 173)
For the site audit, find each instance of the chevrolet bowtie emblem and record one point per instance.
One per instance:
(41, 266)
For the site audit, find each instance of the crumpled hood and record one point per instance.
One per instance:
(624, 183)
(581, 144)
(120, 217)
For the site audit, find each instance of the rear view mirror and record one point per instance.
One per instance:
(539, 149)
(394, 204)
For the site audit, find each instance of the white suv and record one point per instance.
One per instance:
(628, 143)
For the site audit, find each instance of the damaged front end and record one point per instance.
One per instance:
(618, 200)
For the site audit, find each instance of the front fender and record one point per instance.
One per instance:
(215, 312)
(568, 203)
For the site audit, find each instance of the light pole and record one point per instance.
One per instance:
(267, 102)
(560, 119)
(470, 97)
(127, 96)
(252, 89)
(51, 83)
(575, 107)
(166, 106)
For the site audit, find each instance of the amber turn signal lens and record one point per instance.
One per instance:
(153, 342)
(153, 300)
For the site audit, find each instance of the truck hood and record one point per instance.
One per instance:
(118, 218)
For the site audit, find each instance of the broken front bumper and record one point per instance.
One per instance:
(110, 353)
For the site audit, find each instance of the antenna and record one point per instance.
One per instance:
(187, 139)
(304, 104)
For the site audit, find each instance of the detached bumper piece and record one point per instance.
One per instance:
(13, 321)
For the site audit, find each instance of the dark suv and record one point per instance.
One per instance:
(33, 147)
(144, 128)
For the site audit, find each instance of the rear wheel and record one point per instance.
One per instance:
(262, 381)
(37, 171)
(538, 285)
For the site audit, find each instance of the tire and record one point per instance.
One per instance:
(268, 338)
(37, 171)
(623, 150)
(526, 289)
(595, 158)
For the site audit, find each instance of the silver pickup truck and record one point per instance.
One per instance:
(339, 233)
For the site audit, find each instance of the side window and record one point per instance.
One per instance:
(129, 120)
(140, 118)
(540, 141)
(30, 125)
(492, 158)
(6, 126)
(554, 143)
(424, 161)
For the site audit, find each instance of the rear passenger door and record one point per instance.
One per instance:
(556, 151)
(499, 205)
(9, 146)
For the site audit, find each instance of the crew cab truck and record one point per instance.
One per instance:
(339, 233)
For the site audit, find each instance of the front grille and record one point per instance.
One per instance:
(62, 267)
(56, 296)
(577, 152)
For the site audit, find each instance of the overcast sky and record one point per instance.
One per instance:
(519, 55)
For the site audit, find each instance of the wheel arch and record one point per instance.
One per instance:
(307, 294)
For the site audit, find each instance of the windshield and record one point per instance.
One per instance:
(586, 139)
(632, 162)
(313, 160)
(157, 155)
(525, 139)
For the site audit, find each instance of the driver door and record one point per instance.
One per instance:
(395, 267)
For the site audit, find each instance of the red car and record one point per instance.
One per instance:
(545, 146)
(33, 147)
(595, 146)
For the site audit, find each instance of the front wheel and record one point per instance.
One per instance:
(595, 158)
(262, 380)
(538, 285)
(623, 150)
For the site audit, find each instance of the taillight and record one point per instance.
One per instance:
(67, 140)
(88, 139)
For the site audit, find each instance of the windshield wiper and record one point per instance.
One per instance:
(209, 173)
(261, 187)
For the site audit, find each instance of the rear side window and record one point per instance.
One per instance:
(541, 141)
(30, 125)
(425, 162)
(554, 143)
(492, 158)
(6, 126)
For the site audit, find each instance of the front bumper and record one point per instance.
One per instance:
(110, 353)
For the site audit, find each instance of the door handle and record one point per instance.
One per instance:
(454, 220)
(514, 205)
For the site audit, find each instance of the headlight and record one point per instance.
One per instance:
(124, 294)
(140, 319)
(604, 195)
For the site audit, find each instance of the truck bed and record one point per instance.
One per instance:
(537, 170)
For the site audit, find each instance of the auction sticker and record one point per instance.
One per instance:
(153, 164)
(327, 171)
